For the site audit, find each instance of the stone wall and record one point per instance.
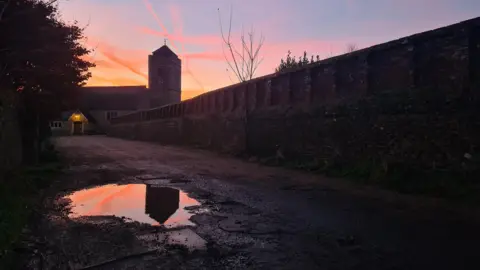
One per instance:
(410, 102)
(10, 138)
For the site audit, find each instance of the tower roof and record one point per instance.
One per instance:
(164, 51)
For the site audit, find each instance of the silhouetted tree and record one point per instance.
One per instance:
(41, 58)
(242, 62)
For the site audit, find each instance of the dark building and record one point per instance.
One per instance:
(105, 102)
(161, 202)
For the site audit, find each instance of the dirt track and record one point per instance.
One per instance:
(251, 217)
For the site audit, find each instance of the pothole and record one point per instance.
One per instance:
(182, 237)
(145, 203)
(248, 224)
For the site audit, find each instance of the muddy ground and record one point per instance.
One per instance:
(250, 217)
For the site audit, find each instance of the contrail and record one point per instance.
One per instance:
(177, 27)
(176, 19)
(112, 57)
(181, 51)
(152, 11)
(187, 69)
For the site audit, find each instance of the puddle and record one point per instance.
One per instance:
(151, 204)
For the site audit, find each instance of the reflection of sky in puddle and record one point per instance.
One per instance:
(150, 204)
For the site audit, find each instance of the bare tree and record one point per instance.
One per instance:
(351, 47)
(244, 61)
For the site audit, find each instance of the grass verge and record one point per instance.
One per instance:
(20, 194)
(456, 186)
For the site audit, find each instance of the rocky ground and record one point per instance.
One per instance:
(250, 217)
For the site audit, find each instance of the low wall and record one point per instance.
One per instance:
(412, 102)
(10, 136)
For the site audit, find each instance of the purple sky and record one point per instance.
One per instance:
(123, 32)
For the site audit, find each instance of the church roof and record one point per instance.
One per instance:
(111, 98)
(164, 51)
(115, 89)
(65, 115)
(110, 101)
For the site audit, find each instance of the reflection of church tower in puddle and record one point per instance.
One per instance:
(161, 202)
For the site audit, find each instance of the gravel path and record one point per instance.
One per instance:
(250, 217)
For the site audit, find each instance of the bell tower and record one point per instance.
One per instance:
(164, 77)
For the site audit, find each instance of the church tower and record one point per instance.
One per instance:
(164, 77)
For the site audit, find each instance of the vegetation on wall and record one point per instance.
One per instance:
(291, 62)
(414, 141)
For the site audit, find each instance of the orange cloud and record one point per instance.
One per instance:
(98, 80)
(205, 70)
(103, 63)
(124, 63)
(200, 70)
(188, 94)
(113, 70)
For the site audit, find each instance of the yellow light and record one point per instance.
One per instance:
(76, 117)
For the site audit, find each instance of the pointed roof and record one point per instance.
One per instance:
(164, 51)
(85, 116)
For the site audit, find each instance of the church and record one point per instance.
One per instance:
(98, 104)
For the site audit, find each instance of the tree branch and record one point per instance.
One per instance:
(246, 61)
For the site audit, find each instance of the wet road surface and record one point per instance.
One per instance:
(135, 205)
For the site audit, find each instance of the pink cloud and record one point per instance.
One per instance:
(197, 40)
(213, 56)
(157, 19)
(177, 26)
(132, 60)
(196, 73)
(176, 18)
(125, 63)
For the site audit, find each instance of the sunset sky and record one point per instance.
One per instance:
(124, 32)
